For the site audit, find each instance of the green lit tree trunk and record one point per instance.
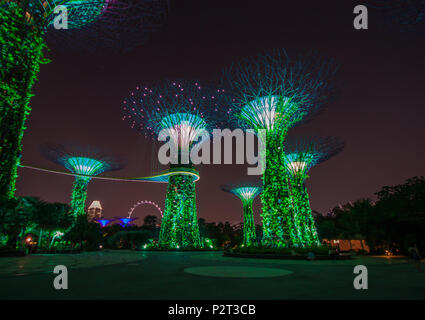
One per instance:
(303, 212)
(279, 228)
(79, 195)
(179, 226)
(249, 236)
(21, 51)
(172, 202)
(314, 237)
(297, 216)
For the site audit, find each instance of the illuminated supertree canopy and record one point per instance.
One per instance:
(246, 193)
(183, 105)
(273, 92)
(185, 111)
(300, 156)
(23, 27)
(116, 26)
(125, 221)
(104, 222)
(80, 13)
(83, 163)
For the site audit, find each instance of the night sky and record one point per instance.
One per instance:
(379, 113)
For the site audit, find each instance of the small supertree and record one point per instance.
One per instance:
(103, 222)
(185, 112)
(23, 28)
(246, 193)
(84, 163)
(125, 221)
(300, 156)
(273, 92)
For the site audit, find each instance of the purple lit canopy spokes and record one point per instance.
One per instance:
(184, 109)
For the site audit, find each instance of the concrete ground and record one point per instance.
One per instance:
(204, 275)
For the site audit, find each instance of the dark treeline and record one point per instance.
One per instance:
(395, 221)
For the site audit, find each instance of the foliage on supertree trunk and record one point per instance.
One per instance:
(246, 192)
(301, 155)
(302, 211)
(179, 226)
(249, 235)
(279, 227)
(21, 53)
(79, 195)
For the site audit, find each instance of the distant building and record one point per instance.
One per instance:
(94, 211)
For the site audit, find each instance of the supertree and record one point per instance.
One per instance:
(246, 193)
(185, 112)
(23, 27)
(300, 156)
(103, 222)
(125, 221)
(84, 163)
(273, 92)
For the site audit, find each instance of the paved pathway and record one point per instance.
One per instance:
(162, 275)
(46, 262)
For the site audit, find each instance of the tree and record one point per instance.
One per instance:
(15, 217)
(131, 239)
(150, 221)
(396, 221)
(403, 207)
(86, 234)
